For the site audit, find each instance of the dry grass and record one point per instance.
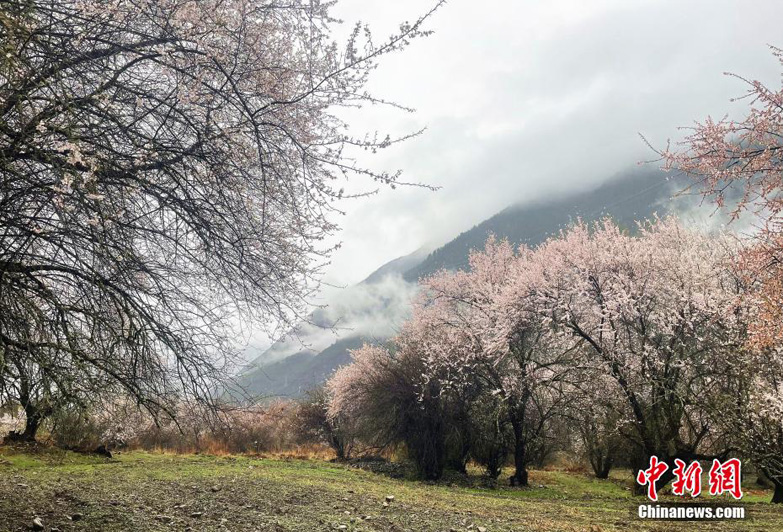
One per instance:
(156, 492)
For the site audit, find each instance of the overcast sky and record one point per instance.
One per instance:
(525, 99)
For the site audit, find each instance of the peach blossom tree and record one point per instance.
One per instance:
(170, 170)
(739, 163)
(496, 343)
(657, 313)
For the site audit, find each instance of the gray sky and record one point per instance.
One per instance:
(525, 99)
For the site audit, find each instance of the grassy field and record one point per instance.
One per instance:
(139, 491)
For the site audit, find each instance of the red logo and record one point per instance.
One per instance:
(724, 477)
(686, 479)
(651, 475)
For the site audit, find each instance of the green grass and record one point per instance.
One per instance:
(146, 491)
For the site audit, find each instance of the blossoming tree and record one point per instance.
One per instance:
(168, 171)
(498, 342)
(384, 395)
(656, 313)
(744, 156)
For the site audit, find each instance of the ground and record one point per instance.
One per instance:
(139, 491)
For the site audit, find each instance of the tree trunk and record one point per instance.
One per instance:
(777, 496)
(603, 471)
(763, 480)
(494, 468)
(601, 462)
(519, 478)
(638, 461)
(339, 448)
(32, 422)
(458, 465)
(462, 465)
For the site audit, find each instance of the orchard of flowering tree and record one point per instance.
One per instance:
(171, 174)
(654, 341)
(634, 344)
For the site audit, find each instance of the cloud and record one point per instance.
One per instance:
(525, 100)
(372, 310)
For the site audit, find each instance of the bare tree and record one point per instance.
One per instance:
(165, 167)
(314, 424)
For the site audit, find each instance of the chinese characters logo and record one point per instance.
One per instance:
(724, 477)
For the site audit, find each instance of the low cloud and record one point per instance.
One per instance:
(369, 309)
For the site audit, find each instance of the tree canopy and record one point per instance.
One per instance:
(169, 169)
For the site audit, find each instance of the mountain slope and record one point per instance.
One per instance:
(296, 374)
(382, 299)
(371, 308)
(398, 266)
(627, 197)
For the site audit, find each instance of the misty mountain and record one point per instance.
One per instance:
(627, 197)
(295, 374)
(374, 309)
(368, 311)
(371, 309)
(400, 266)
